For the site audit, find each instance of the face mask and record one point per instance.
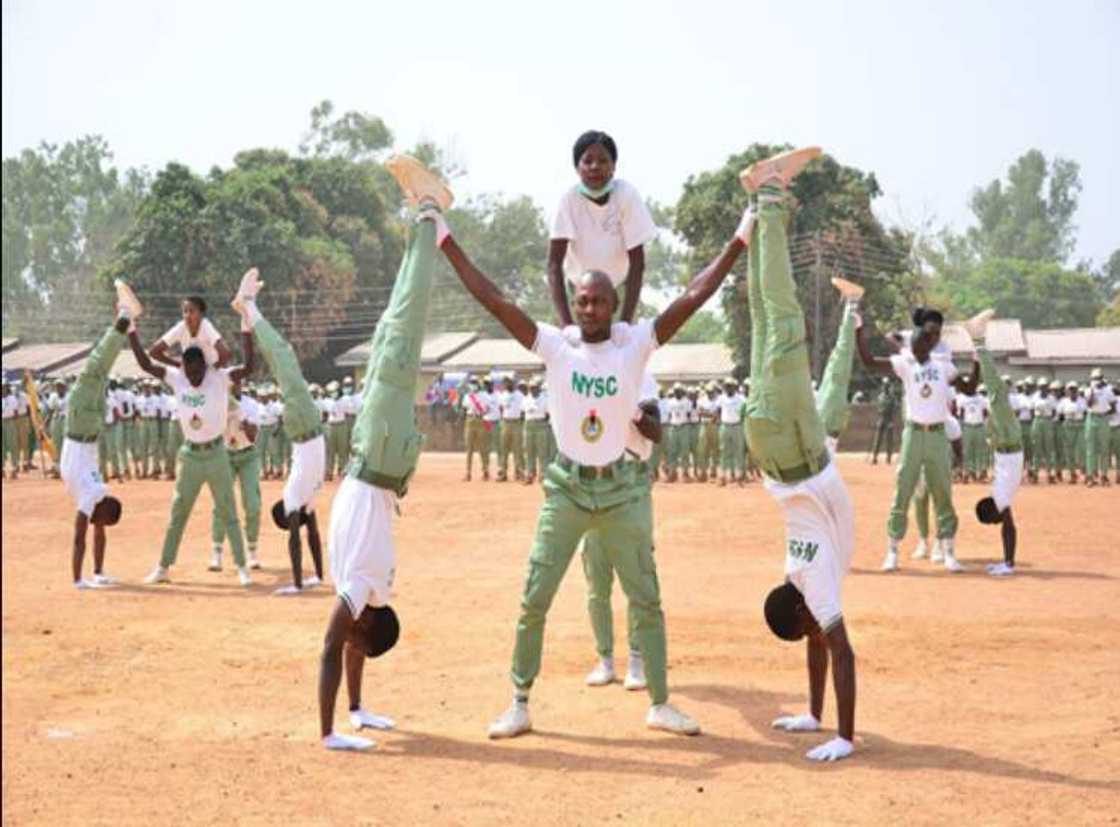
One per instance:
(599, 193)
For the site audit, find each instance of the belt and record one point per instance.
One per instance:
(918, 426)
(517, 419)
(239, 451)
(1008, 448)
(800, 472)
(590, 472)
(85, 439)
(340, 422)
(358, 469)
(216, 442)
(310, 435)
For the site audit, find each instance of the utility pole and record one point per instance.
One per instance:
(818, 334)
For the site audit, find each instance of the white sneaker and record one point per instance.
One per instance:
(418, 183)
(127, 301)
(671, 719)
(513, 722)
(311, 582)
(1001, 570)
(360, 719)
(248, 289)
(921, 551)
(215, 560)
(254, 561)
(243, 576)
(351, 743)
(602, 674)
(635, 673)
(850, 291)
(978, 324)
(285, 591)
(783, 166)
(936, 555)
(104, 580)
(82, 585)
(953, 564)
(890, 562)
(158, 575)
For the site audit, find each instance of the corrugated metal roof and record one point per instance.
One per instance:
(483, 354)
(125, 367)
(46, 358)
(9, 344)
(691, 361)
(1083, 345)
(435, 349)
(1005, 336)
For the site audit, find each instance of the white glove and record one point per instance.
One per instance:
(746, 224)
(443, 232)
(857, 318)
(797, 723)
(834, 750)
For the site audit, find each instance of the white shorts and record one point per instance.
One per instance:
(362, 557)
(305, 478)
(820, 539)
(1007, 478)
(78, 467)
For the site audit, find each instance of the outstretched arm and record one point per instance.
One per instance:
(142, 358)
(557, 249)
(330, 664)
(241, 371)
(843, 679)
(699, 290)
(870, 361)
(512, 317)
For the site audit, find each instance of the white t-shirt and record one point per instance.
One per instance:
(535, 408)
(1072, 409)
(1114, 419)
(207, 339)
(1045, 406)
(972, 408)
(928, 387)
(204, 410)
(636, 443)
(600, 237)
(1021, 404)
(510, 404)
(663, 406)
(240, 410)
(336, 413)
(594, 389)
(952, 428)
(24, 404)
(708, 408)
(148, 407)
(11, 406)
(1102, 399)
(112, 407)
(266, 414)
(678, 410)
(731, 408)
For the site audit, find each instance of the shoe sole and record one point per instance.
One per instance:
(417, 181)
(786, 165)
(498, 736)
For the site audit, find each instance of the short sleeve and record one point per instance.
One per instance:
(174, 378)
(897, 362)
(648, 391)
(642, 340)
(637, 223)
(175, 334)
(208, 333)
(563, 227)
(549, 342)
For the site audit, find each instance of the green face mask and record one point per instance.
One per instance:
(599, 193)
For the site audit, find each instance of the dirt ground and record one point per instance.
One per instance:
(980, 700)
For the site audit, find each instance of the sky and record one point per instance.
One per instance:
(934, 98)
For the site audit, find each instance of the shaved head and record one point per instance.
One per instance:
(594, 304)
(598, 280)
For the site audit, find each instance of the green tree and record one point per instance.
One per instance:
(1030, 216)
(705, 326)
(64, 210)
(833, 232)
(1110, 315)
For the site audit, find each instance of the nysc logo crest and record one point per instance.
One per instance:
(805, 550)
(592, 427)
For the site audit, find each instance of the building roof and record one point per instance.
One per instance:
(1005, 336)
(435, 348)
(125, 367)
(45, 358)
(9, 344)
(691, 362)
(1077, 346)
(484, 354)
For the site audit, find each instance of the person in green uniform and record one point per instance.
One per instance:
(708, 451)
(884, 427)
(788, 441)
(202, 397)
(1101, 403)
(1114, 432)
(590, 486)
(85, 414)
(1071, 417)
(928, 382)
(475, 405)
(57, 422)
(536, 433)
(731, 452)
(11, 442)
(245, 465)
(510, 402)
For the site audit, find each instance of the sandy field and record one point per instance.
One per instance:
(980, 701)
